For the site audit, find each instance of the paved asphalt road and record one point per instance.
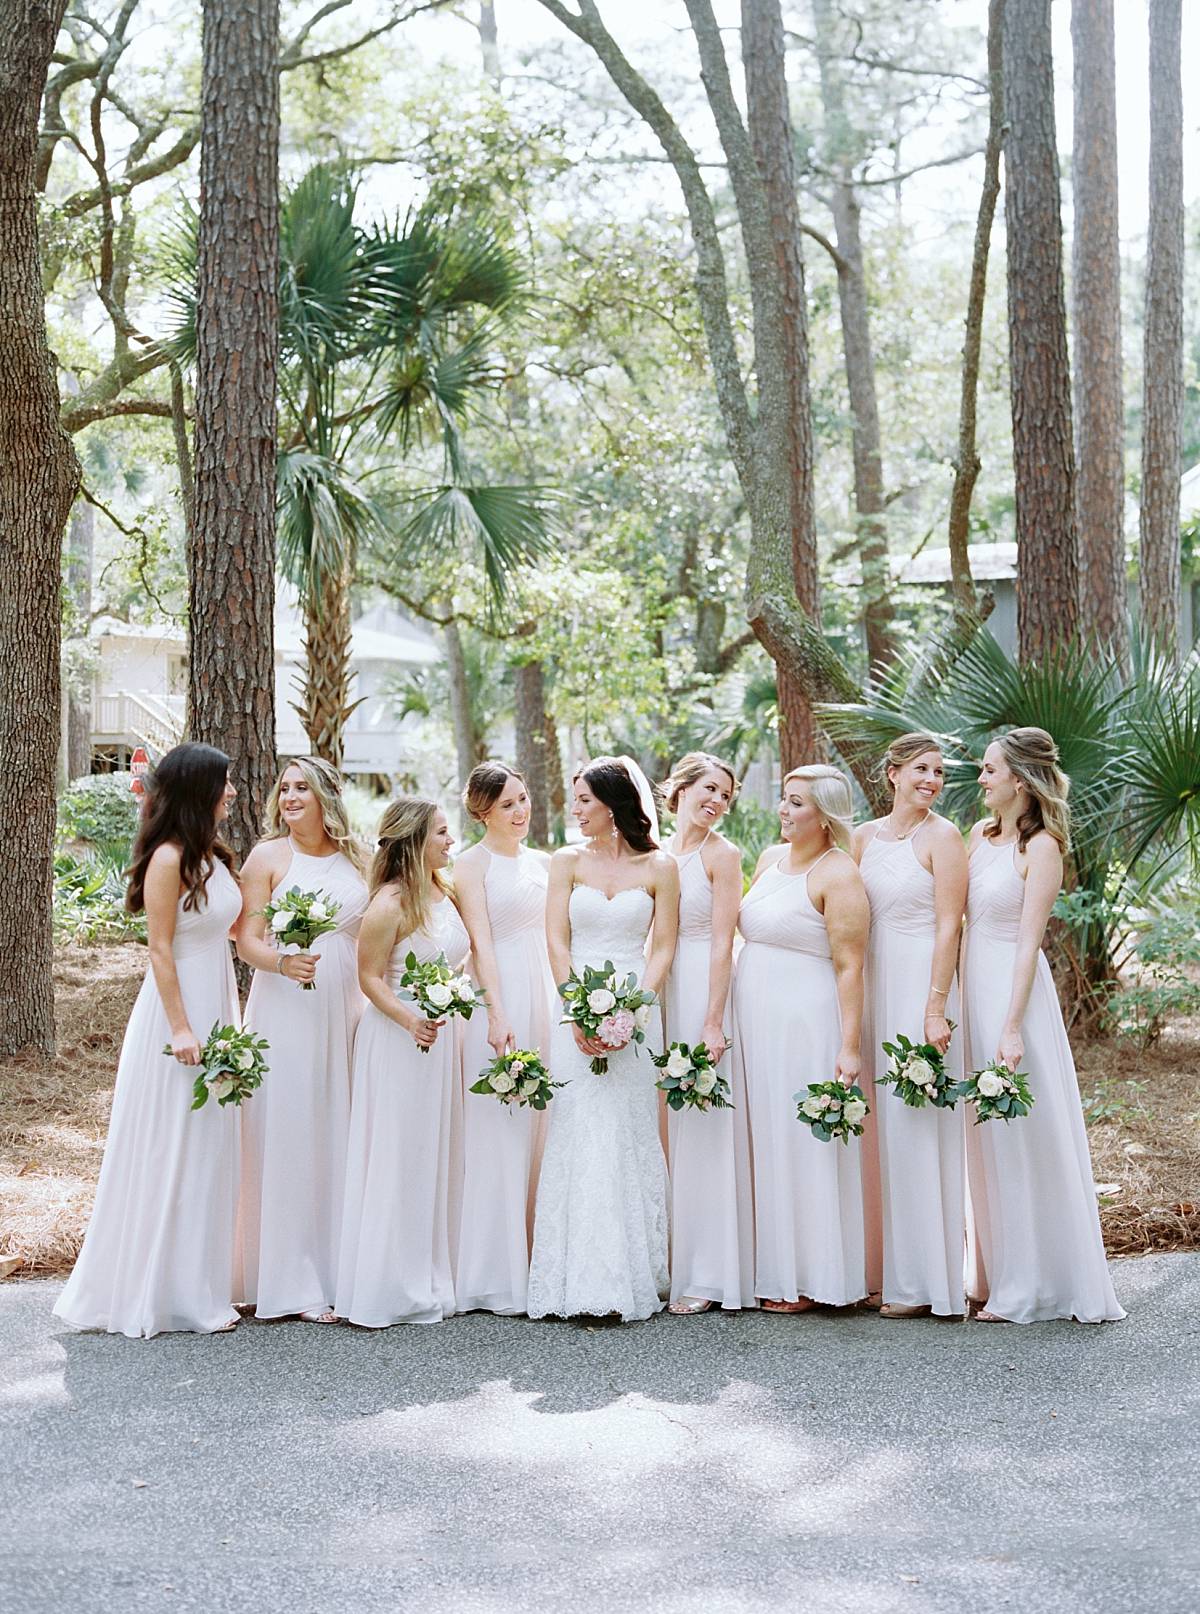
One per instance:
(738, 1463)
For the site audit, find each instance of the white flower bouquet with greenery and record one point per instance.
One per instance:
(231, 1066)
(518, 1077)
(917, 1074)
(440, 992)
(298, 918)
(997, 1093)
(606, 1009)
(833, 1110)
(691, 1079)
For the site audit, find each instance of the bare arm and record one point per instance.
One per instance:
(726, 899)
(376, 939)
(1043, 880)
(949, 857)
(260, 874)
(664, 931)
(558, 913)
(162, 892)
(847, 924)
(470, 872)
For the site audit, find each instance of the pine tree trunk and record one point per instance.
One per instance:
(770, 129)
(39, 474)
(79, 569)
(1040, 381)
(1162, 416)
(531, 723)
(462, 715)
(231, 680)
(858, 352)
(1096, 263)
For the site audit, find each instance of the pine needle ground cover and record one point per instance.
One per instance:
(1143, 1110)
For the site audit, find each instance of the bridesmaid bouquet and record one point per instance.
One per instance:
(613, 1011)
(518, 1078)
(917, 1074)
(833, 1110)
(691, 1078)
(298, 918)
(997, 1093)
(231, 1066)
(437, 990)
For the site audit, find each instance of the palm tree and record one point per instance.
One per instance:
(388, 340)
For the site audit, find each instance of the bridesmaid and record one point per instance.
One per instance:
(712, 1256)
(797, 1017)
(394, 1265)
(500, 886)
(158, 1254)
(294, 1133)
(914, 866)
(1033, 1232)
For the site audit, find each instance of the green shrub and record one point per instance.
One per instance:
(89, 901)
(102, 812)
(1166, 957)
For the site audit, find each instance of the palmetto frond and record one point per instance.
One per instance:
(506, 527)
(323, 518)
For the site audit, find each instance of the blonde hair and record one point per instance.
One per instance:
(325, 782)
(907, 748)
(1032, 757)
(832, 796)
(485, 786)
(404, 832)
(685, 773)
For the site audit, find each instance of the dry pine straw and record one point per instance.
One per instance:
(54, 1113)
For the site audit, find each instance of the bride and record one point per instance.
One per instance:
(600, 1233)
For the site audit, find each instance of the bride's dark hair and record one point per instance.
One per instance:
(610, 782)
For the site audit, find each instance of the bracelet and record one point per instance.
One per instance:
(939, 991)
(279, 964)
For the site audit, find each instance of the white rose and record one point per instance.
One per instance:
(919, 1071)
(706, 1080)
(678, 1064)
(319, 911)
(502, 1082)
(463, 990)
(245, 1060)
(439, 994)
(601, 1000)
(813, 1108)
(825, 1100)
(223, 1043)
(221, 1088)
(281, 921)
(641, 1017)
(855, 1110)
(990, 1085)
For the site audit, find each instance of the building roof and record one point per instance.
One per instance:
(380, 634)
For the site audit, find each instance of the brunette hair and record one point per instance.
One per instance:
(833, 798)
(485, 786)
(182, 796)
(687, 770)
(610, 781)
(907, 748)
(404, 832)
(1032, 756)
(325, 782)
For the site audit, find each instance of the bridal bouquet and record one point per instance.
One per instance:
(997, 1093)
(518, 1078)
(917, 1074)
(832, 1110)
(231, 1066)
(691, 1079)
(614, 1012)
(298, 918)
(437, 990)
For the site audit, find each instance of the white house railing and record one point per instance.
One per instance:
(140, 719)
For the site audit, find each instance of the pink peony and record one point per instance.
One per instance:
(615, 1030)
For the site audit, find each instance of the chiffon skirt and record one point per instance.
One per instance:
(808, 1210)
(159, 1250)
(712, 1212)
(1034, 1249)
(394, 1263)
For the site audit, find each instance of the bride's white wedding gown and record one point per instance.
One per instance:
(600, 1234)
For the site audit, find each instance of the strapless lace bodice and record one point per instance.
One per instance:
(604, 928)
